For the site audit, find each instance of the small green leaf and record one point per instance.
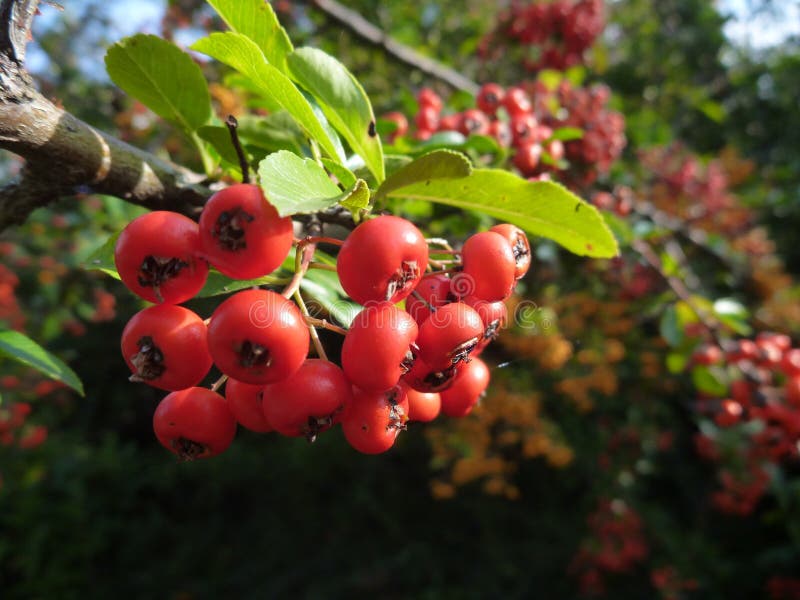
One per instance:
(257, 20)
(22, 349)
(710, 381)
(343, 101)
(163, 78)
(671, 328)
(540, 207)
(439, 164)
(566, 134)
(102, 259)
(357, 197)
(676, 362)
(296, 185)
(240, 53)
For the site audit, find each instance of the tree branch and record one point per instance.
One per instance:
(374, 35)
(64, 154)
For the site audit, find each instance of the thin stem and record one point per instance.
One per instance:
(444, 243)
(457, 269)
(232, 124)
(322, 266)
(303, 255)
(318, 239)
(419, 297)
(312, 331)
(326, 325)
(218, 383)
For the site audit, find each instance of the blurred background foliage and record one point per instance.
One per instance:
(588, 468)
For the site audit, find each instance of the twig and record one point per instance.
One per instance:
(218, 383)
(304, 253)
(326, 325)
(353, 21)
(232, 124)
(65, 155)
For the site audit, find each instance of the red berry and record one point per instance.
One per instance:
(245, 402)
(401, 125)
(527, 157)
(156, 257)
(427, 119)
(790, 363)
(242, 234)
(309, 402)
(500, 131)
(792, 390)
(427, 98)
(449, 335)
(450, 122)
(517, 101)
(707, 355)
(461, 397)
(519, 246)
(781, 340)
(258, 337)
(474, 122)
(194, 423)
(423, 406)
(523, 128)
(432, 291)
(489, 267)
(730, 413)
(372, 420)
(376, 349)
(382, 259)
(490, 98)
(166, 346)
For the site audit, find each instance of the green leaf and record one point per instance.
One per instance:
(242, 54)
(22, 349)
(296, 185)
(218, 284)
(325, 289)
(343, 101)
(102, 259)
(671, 328)
(540, 207)
(357, 197)
(439, 164)
(345, 176)
(676, 362)
(257, 20)
(163, 78)
(566, 134)
(733, 314)
(709, 381)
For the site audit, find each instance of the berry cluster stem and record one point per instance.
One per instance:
(312, 330)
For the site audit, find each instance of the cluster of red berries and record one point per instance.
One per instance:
(616, 545)
(764, 387)
(524, 118)
(552, 35)
(397, 364)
